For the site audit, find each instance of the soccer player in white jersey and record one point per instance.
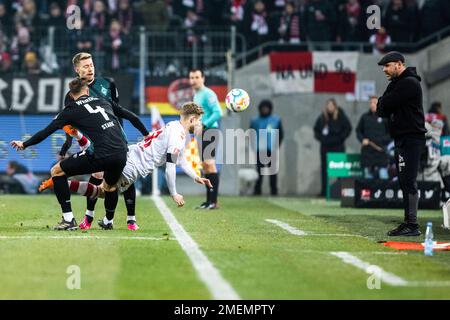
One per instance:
(161, 147)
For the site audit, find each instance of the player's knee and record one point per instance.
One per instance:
(98, 175)
(56, 170)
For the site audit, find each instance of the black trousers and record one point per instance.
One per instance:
(323, 164)
(273, 177)
(408, 151)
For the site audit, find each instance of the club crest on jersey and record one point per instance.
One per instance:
(104, 91)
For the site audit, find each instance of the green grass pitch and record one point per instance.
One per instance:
(260, 260)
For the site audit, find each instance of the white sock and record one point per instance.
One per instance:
(106, 221)
(68, 216)
(131, 218)
(90, 213)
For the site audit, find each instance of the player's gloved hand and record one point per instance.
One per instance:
(179, 200)
(18, 145)
(203, 181)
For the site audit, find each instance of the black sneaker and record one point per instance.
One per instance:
(405, 230)
(64, 225)
(204, 205)
(213, 206)
(104, 226)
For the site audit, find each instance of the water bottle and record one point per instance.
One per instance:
(428, 248)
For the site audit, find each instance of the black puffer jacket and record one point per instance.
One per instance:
(402, 104)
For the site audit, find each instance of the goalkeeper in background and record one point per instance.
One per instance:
(207, 99)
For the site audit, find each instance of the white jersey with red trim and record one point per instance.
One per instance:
(152, 152)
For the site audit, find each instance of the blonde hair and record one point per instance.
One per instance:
(80, 56)
(191, 108)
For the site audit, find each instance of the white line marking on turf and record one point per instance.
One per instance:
(386, 277)
(211, 277)
(298, 232)
(287, 227)
(80, 237)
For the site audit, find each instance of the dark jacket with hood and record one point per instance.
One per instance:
(402, 104)
(336, 133)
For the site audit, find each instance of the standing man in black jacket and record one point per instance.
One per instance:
(372, 131)
(402, 104)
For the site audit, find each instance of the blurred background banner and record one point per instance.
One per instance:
(320, 72)
(40, 94)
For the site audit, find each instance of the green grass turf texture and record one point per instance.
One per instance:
(260, 260)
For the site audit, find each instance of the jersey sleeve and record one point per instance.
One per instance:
(212, 103)
(176, 141)
(58, 122)
(114, 92)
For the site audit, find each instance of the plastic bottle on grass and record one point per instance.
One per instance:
(428, 247)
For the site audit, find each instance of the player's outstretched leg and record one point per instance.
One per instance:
(129, 196)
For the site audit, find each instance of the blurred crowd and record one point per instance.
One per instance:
(106, 25)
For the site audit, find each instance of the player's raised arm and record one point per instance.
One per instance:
(130, 116)
(40, 136)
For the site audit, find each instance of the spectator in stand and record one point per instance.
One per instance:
(57, 20)
(99, 22)
(258, 25)
(191, 24)
(373, 133)
(127, 16)
(380, 41)
(80, 38)
(6, 66)
(398, 20)
(435, 15)
(154, 14)
(436, 108)
(116, 47)
(5, 20)
(320, 19)
(237, 13)
(20, 45)
(28, 16)
(289, 25)
(350, 22)
(32, 64)
(414, 12)
(331, 129)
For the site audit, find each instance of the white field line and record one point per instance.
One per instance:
(211, 277)
(299, 232)
(386, 277)
(81, 237)
(287, 227)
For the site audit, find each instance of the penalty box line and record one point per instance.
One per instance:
(209, 275)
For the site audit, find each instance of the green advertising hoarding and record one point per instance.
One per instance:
(342, 165)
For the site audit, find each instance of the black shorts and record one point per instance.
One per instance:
(209, 143)
(84, 163)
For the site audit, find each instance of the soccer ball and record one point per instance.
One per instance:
(237, 100)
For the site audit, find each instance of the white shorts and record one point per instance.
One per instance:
(130, 172)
